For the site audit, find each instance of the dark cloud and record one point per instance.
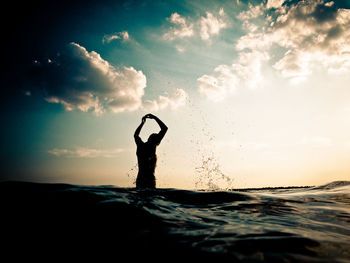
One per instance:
(314, 12)
(35, 61)
(323, 13)
(35, 30)
(82, 80)
(335, 32)
(38, 29)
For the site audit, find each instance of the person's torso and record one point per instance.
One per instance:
(147, 158)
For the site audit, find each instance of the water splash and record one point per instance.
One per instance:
(208, 173)
(132, 174)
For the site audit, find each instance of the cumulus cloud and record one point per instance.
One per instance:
(217, 87)
(314, 33)
(319, 30)
(246, 72)
(124, 35)
(211, 25)
(82, 80)
(83, 152)
(313, 25)
(181, 28)
(207, 26)
(174, 101)
(252, 12)
(294, 65)
(254, 40)
(274, 3)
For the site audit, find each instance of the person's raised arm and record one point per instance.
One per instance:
(138, 130)
(163, 127)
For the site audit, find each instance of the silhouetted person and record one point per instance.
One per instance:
(146, 153)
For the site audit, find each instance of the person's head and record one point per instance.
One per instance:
(153, 138)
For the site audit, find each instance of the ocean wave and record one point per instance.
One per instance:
(333, 185)
(261, 225)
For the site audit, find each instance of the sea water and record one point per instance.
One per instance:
(253, 225)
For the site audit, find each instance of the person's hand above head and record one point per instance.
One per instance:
(150, 116)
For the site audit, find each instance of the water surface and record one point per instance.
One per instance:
(256, 225)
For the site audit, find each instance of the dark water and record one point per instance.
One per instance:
(266, 225)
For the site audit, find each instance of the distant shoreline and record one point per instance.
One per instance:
(270, 188)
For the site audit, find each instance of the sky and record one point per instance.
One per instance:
(255, 93)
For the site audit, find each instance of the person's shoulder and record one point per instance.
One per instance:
(138, 140)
